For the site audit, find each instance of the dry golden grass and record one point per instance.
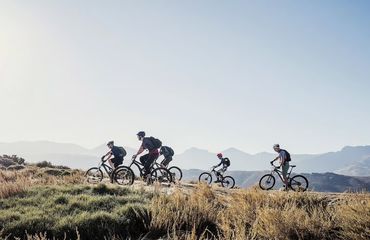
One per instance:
(15, 182)
(254, 214)
(204, 212)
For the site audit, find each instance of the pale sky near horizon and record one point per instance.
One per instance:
(205, 74)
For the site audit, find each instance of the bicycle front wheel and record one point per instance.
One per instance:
(267, 182)
(228, 182)
(160, 175)
(298, 183)
(94, 175)
(176, 173)
(123, 176)
(205, 178)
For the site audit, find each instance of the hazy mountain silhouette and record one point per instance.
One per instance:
(348, 161)
(67, 154)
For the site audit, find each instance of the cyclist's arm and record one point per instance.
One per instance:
(218, 165)
(140, 150)
(109, 154)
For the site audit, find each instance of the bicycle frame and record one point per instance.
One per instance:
(280, 173)
(138, 164)
(108, 169)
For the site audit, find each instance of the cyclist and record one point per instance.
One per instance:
(117, 152)
(168, 153)
(284, 159)
(152, 145)
(225, 162)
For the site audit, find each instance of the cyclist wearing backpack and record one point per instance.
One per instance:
(152, 145)
(168, 153)
(225, 162)
(118, 154)
(284, 159)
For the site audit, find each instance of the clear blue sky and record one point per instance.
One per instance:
(210, 74)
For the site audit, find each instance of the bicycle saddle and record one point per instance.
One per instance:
(293, 166)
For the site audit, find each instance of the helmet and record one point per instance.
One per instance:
(110, 142)
(141, 134)
(219, 155)
(276, 146)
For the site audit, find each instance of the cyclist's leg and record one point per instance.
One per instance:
(285, 169)
(144, 158)
(117, 162)
(111, 163)
(166, 161)
(151, 158)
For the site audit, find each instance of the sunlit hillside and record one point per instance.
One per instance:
(47, 202)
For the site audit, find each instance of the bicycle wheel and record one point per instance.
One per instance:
(123, 176)
(267, 182)
(205, 178)
(228, 182)
(160, 175)
(176, 173)
(298, 183)
(94, 175)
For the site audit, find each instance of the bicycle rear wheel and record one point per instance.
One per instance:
(160, 175)
(298, 183)
(94, 175)
(123, 176)
(228, 182)
(267, 182)
(205, 178)
(176, 173)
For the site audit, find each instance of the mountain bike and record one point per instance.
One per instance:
(121, 175)
(226, 181)
(176, 172)
(157, 174)
(297, 183)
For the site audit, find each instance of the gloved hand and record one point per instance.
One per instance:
(272, 162)
(102, 158)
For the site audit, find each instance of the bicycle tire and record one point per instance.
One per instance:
(176, 173)
(297, 182)
(94, 173)
(268, 178)
(160, 175)
(228, 182)
(205, 177)
(123, 175)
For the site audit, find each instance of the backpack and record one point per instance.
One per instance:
(288, 158)
(226, 162)
(123, 152)
(156, 142)
(171, 151)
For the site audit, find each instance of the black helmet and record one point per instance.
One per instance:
(276, 146)
(141, 134)
(110, 142)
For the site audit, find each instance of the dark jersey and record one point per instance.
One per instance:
(148, 144)
(117, 153)
(225, 162)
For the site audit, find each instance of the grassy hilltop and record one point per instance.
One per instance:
(38, 203)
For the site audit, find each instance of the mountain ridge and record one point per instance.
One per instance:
(349, 160)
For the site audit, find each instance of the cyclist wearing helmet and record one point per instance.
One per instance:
(168, 153)
(117, 154)
(147, 144)
(284, 159)
(225, 162)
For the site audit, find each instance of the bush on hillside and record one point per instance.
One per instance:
(7, 160)
(15, 167)
(46, 164)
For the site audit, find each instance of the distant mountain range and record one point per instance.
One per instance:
(353, 161)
